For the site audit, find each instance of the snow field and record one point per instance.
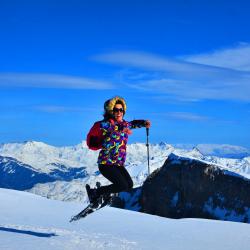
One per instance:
(30, 222)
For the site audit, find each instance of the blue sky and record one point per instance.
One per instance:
(185, 65)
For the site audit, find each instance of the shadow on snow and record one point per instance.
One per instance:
(37, 234)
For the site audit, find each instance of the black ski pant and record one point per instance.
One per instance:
(118, 175)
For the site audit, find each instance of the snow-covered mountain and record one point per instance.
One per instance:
(72, 167)
(46, 158)
(13, 172)
(43, 224)
(219, 150)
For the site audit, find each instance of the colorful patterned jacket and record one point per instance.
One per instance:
(112, 137)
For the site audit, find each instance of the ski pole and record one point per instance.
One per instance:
(147, 144)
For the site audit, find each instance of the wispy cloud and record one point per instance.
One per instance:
(61, 109)
(19, 110)
(187, 116)
(196, 90)
(178, 115)
(158, 63)
(237, 58)
(183, 79)
(51, 81)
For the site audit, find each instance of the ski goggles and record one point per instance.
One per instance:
(116, 110)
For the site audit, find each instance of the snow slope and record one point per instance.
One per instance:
(30, 222)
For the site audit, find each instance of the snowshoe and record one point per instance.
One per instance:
(95, 204)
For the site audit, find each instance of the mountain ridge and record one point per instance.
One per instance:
(72, 167)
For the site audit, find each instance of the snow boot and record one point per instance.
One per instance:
(93, 195)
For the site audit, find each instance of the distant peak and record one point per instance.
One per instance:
(162, 143)
(30, 142)
(34, 143)
(195, 149)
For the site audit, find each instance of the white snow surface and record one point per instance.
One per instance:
(30, 222)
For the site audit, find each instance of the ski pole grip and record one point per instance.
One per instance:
(147, 131)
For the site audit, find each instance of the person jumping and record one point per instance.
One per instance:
(111, 136)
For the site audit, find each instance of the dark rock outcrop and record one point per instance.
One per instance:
(189, 188)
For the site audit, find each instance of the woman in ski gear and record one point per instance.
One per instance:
(111, 136)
